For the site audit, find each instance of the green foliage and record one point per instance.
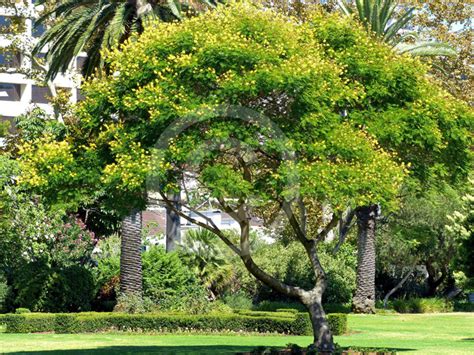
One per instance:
(461, 226)
(272, 306)
(463, 306)
(286, 323)
(168, 283)
(286, 263)
(37, 123)
(4, 293)
(423, 305)
(209, 259)
(417, 234)
(404, 110)
(41, 287)
(164, 274)
(22, 311)
(238, 300)
(133, 303)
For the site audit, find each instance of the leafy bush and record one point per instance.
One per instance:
(168, 284)
(423, 305)
(4, 291)
(238, 300)
(285, 262)
(93, 322)
(463, 306)
(40, 287)
(193, 300)
(164, 274)
(22, 311)
(273, 306)
(133, 303)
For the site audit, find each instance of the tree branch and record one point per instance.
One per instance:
(212, 227)
(321, 235)
(344, 228)
(300, 234)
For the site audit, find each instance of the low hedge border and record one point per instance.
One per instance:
(294, 324)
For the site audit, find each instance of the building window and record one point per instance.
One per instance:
(40, 94)
(10, 60)
(38, 30)
(10, 92)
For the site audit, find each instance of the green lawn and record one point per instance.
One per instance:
(421, 334)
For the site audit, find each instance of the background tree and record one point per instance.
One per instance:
(450, 23)
(380, 18)
(95, 27)
(420, 226)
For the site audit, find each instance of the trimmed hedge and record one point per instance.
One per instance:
(283, 323)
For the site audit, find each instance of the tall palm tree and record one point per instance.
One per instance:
(381, 18)
(92, 26)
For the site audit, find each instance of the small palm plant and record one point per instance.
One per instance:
(208, 260)
(380, 17)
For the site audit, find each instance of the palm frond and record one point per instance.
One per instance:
(432, 49)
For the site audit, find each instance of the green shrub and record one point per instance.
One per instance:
(272, 306)
(40, 287)
(167, 282)
(463, 306)
(423, 305)
(285, 263)
(295, 324)
(164, 274)
(238, 300)
(338, 323)
(287, 310)
(4, 292)
(337, 308)
(133, 303)
(22, 310)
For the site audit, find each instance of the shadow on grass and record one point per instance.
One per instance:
(207, 349)
(467, 339)
(181, 350)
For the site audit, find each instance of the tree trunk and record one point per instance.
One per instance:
(323, 339)
(400, 284)
(433, 281)
(131, 254)
(364, 298)
(173, 227)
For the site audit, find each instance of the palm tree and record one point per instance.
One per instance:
(93, 26)
(381, 18)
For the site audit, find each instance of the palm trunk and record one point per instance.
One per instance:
(364, 298)
(131, 254)
(173, 227)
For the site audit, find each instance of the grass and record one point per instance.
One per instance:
(451, 333)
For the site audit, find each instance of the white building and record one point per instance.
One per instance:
(18, 93)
